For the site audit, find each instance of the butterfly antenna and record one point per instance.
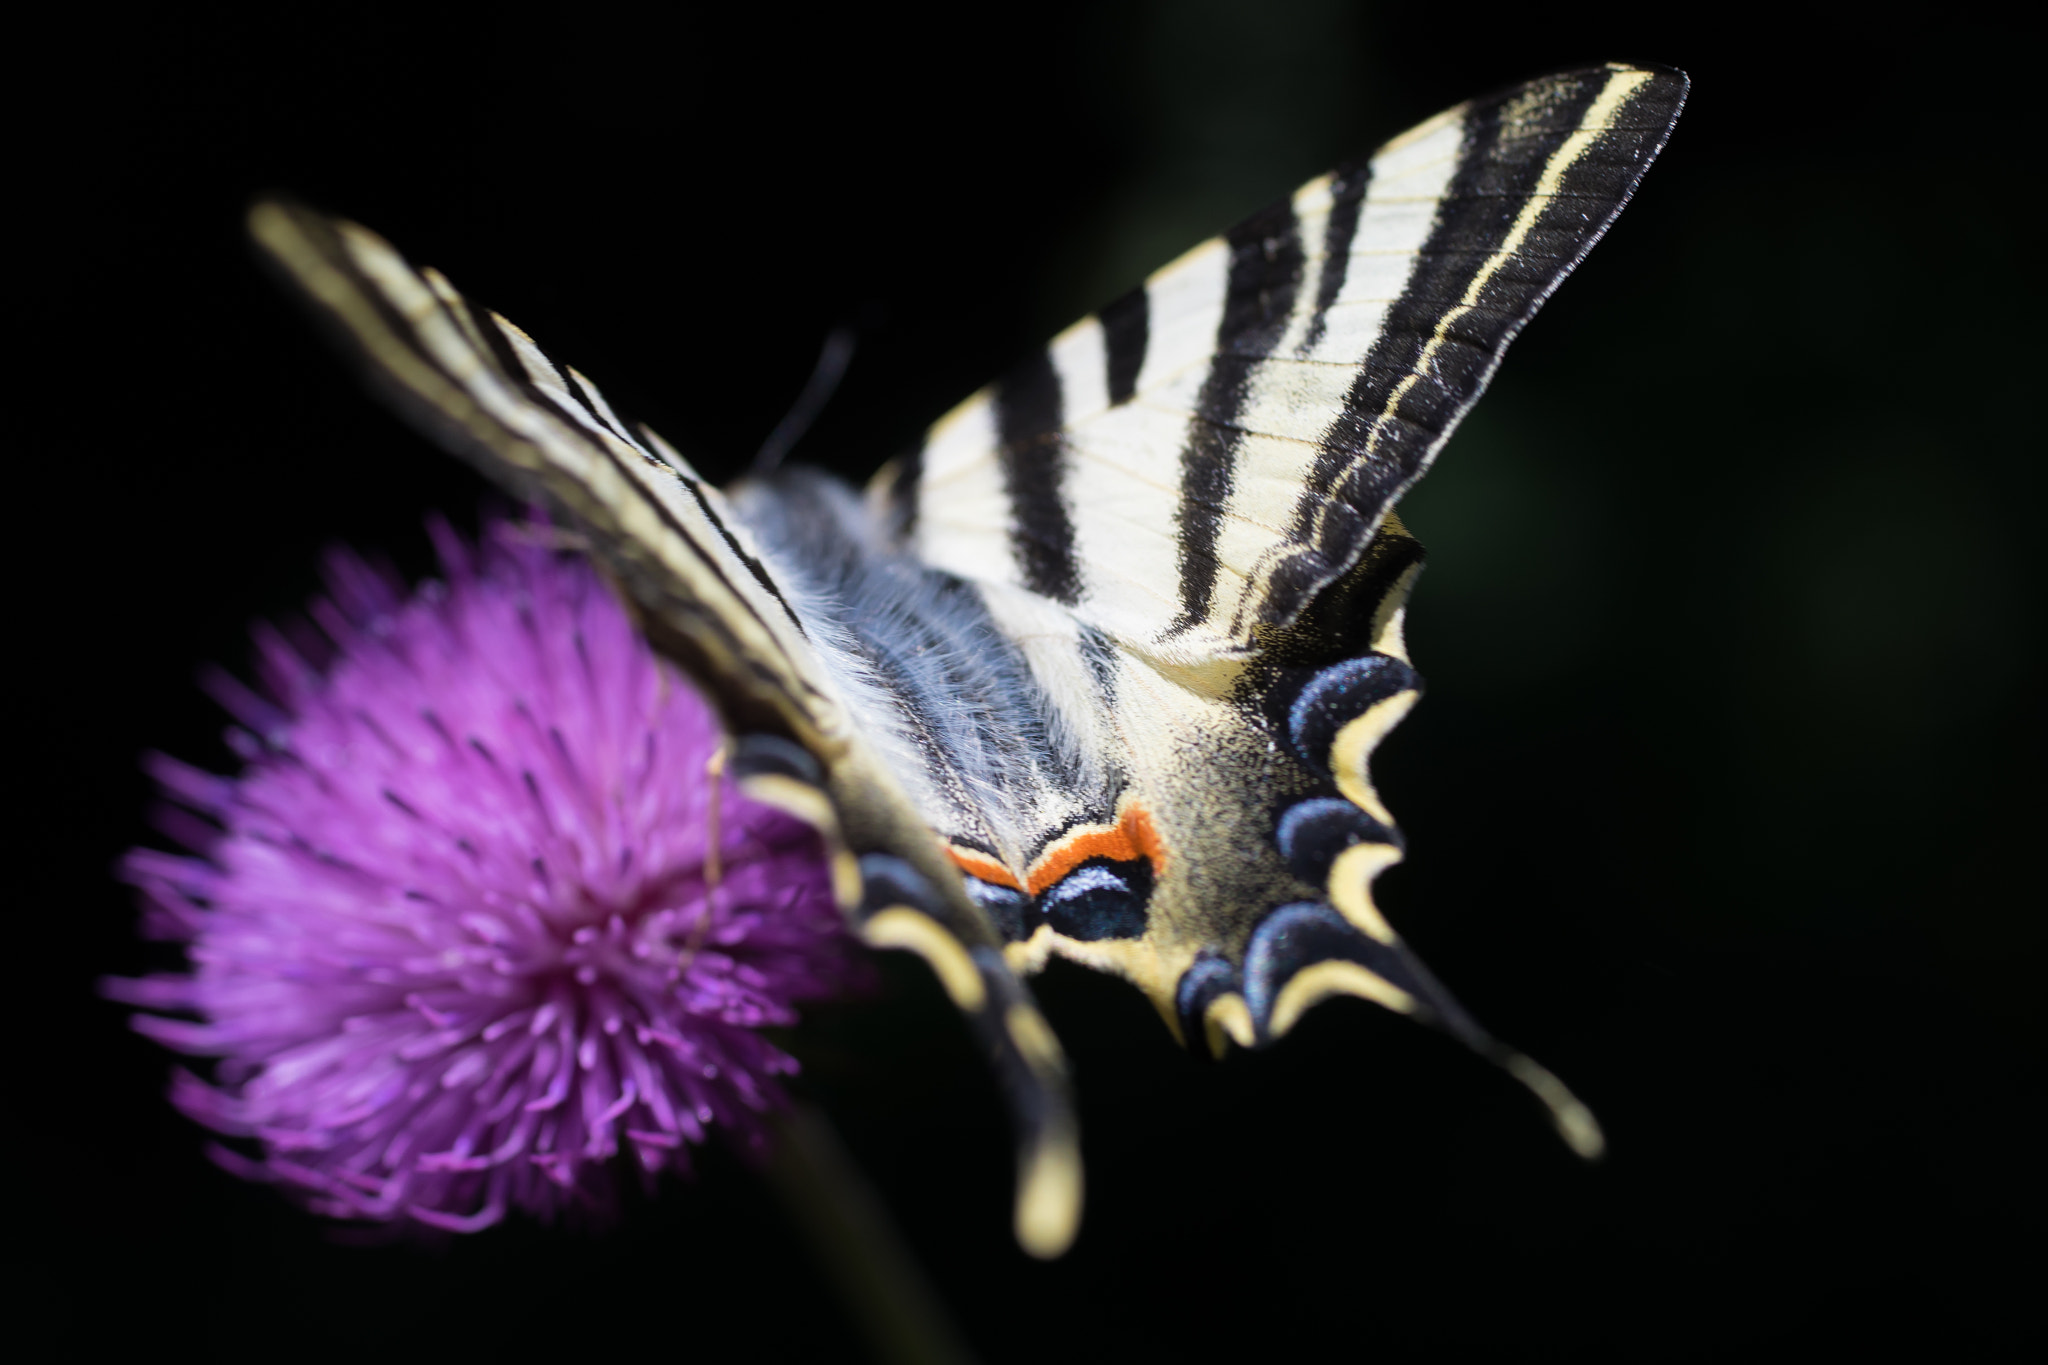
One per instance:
(825, 376)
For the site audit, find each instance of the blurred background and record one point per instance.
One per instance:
(1723, 801)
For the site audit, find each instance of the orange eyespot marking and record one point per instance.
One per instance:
(975, 863)
(1130, 838)
(1137, 825)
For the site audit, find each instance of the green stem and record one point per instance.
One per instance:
(858, 1246)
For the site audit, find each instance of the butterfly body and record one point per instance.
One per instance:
(1097, 670)
(1076, 835)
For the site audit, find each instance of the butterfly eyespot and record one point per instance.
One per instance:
(1340, 694)
(1007, 906)
(1099, 900)
(1312, 833)
(1308, 937)
(899, 909)
(1209, 979)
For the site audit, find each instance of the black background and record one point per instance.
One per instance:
(1725, 800)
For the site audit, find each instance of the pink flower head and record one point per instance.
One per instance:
(481, 911)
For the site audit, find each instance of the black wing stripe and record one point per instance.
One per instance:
(479, 325)
(1495, 175)
(333, 250)
(484, 324)
(754, 566)
(908, 479)
(519, 372)
(1240, 454)
(1436, 352)
(1126, 331)
(522, 372)
(599, 411)
(1266, 263)
(1347, 198)
(1029, 422)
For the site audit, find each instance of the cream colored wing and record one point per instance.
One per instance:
(1202, 457)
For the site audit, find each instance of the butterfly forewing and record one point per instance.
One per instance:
(706, 597)
(1205, 455)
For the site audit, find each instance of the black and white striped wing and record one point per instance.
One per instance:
(484, 389)
(708, 598)
(1202, 457)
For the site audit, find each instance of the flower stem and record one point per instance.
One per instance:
(857, 1245)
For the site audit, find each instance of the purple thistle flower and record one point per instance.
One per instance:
(480, 911)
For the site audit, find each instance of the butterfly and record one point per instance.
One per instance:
(1096, 671)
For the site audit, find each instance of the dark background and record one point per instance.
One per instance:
(1725, 801)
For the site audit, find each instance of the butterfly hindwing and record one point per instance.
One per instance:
(706, 597)
(1202, 476)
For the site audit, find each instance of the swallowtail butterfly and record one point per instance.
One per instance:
(1096, 671)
